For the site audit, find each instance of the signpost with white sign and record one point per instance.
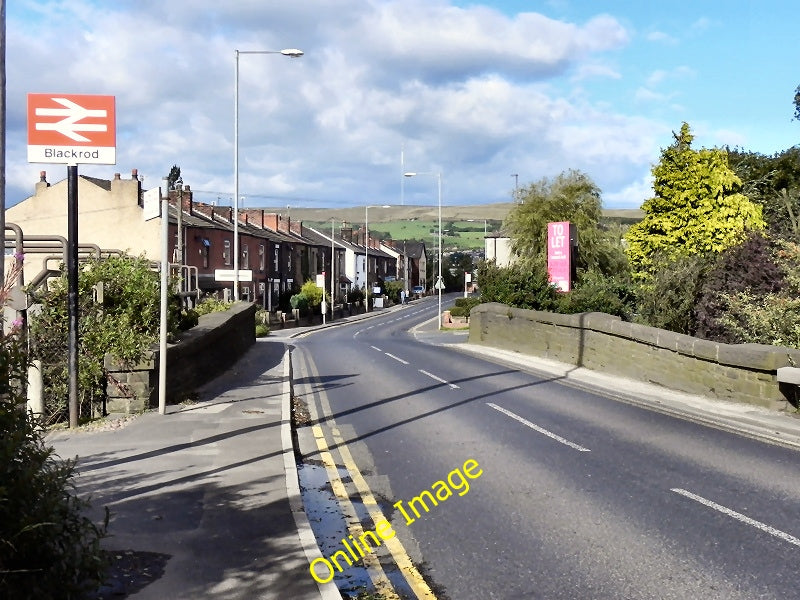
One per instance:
(230, 275)
(72, 129)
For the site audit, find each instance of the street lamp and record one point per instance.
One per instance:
(439, 277)
(293, 53)
(366, 249)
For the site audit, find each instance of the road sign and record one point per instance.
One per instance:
(228, 275)
(72, 129)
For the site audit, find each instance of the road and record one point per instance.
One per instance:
(580, 496)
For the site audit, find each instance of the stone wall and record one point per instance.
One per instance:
(737, 372)
(201, 354)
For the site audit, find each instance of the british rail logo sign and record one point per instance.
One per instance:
(72, 129)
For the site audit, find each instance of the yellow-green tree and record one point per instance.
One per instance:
(572, 196)
(697, 207)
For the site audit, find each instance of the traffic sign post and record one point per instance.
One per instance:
(72, 129)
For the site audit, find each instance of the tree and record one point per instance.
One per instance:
(697, 207)
(797, 103)
(573, 197)
(174, 177)
(774, 182)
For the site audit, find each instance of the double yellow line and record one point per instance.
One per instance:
(393, 545)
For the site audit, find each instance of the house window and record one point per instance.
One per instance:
(226, 252)
(275, 260)
(245, 257)
(262, 259)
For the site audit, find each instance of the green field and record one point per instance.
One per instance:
(458, 235)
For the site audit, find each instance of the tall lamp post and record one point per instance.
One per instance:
(293, 53)
(439, 275)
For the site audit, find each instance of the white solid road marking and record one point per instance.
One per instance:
(739, 517)
(439, 379)
(535, 427)
(376, 348)
(397, 358)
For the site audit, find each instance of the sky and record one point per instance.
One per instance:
(488, 94)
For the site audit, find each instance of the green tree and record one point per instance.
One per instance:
(797, 103)
(573, 197)
(174, 176)
(125, 324)
(697, 207)
(774, 182)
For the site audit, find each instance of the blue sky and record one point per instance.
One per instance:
(474, 90)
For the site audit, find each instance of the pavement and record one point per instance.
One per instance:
(205, 502)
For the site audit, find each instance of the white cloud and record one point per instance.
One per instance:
(470, 91)
(632, 195)
(596, 70)
(661, 37)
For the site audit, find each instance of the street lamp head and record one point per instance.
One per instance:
(409, 174)
(292, 52)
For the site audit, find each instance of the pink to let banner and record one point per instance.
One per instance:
(558, 255)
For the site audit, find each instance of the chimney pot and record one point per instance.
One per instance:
(135, 174)
(116, 176)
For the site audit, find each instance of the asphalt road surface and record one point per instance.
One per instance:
(580, 496)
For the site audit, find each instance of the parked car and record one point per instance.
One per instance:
(417, 291)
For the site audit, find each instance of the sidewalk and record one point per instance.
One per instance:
(202, 499)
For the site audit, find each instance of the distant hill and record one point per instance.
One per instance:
(378, 214)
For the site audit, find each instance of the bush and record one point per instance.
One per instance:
(770, 319)
(125, 325)
(392, 290)
(749, 267)
(355, 295)
(188, 318)
(595, 293)
(668, 298)
(261, 330)
(314, 294)
(211, 304)
(48, 549)
(518, 285)
(299, 302)
(464, 306)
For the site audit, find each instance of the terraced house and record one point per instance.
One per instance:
(116, 215)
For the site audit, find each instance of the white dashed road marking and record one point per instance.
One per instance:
(739, 517)
(535, 427)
